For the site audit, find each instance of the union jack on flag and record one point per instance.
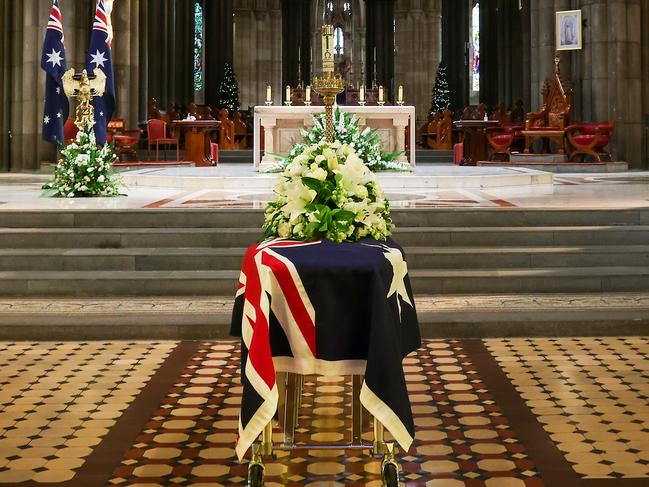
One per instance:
(99, 56)
(53, 63)
(325, 308)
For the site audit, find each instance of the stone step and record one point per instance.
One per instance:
(216, 218)
(169, 259)
(243, 237)
(222, 283)
(200, 318)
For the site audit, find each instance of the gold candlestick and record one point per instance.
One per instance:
(329, 85)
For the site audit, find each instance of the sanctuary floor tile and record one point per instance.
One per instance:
(493, 413)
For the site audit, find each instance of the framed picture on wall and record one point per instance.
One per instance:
(568, 30)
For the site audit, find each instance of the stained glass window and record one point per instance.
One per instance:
(475, 48)
(339, 41)
(199, 38)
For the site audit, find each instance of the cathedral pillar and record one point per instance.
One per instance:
(418, 37)
(258, 50)
(125, 50)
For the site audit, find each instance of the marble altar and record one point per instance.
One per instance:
(281, 129)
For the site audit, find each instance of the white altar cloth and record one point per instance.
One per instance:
(282, 126)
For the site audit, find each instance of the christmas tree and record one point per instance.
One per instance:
(229, 90)
(441, 97)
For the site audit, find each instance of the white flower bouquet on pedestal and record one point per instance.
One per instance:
(84, 170)
(327, 191)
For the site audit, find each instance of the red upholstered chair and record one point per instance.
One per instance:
(70, 131)
(214, 153)
(501, 140)
(590, 139)
(458, 153)
(157, 135)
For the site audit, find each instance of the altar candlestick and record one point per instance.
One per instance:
(327, 49)
(288, 93)
(269, 94)
(361, 94)
(307, 95)
(381, 94)
(400, 96)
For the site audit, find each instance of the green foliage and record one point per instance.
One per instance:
(229, 90)
(347, 131)
(328, 192)
(84, 170)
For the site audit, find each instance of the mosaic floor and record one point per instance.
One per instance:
(493, 413)
(620, 190)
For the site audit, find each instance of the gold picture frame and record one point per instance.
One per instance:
(568, 32)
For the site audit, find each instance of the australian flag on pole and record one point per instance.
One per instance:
(99, 56)
(53, 62)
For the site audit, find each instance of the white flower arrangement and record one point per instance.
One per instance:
(347, 131)
(327, 191)
(84, 170)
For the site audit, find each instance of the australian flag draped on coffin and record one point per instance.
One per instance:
(325, 308)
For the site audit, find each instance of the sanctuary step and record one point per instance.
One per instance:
(429, 156)
(236, 156)
(199, 318)
(198, 252)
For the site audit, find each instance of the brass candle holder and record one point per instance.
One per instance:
(328, 88)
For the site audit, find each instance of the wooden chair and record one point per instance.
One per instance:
(590, 139)
(429, 133)
(226, 131)
(242, 133)
(157, 135)
(550, 122)
(444, 138)
(126, 141)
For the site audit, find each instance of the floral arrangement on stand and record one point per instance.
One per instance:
(327, 191)
(347, 131)
(84, 170)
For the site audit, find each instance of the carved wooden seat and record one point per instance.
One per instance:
(126, 141)
(226, 131)
(550, 122)
(590, 139)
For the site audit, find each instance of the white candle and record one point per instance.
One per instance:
(288, 93)
(400, 98)
(269, 94)
(307, 96)
(381, 93)
(361, 94)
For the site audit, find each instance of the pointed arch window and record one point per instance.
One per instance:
(199, 43)
(339, 41)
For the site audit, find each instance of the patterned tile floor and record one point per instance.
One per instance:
(493, 413)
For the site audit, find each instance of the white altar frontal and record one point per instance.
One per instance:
(282, 125)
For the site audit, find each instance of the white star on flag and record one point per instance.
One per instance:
(399, 273)
(101, 114)
(55, 58)
(98, 59)
(59, 115)
(46, 120)
(58, 91)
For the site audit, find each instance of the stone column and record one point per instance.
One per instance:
(125, 50)
(418, 50)
(542, 46)
(258, 50)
